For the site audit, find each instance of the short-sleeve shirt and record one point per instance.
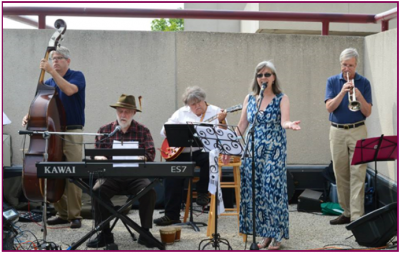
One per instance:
(342, 114)
(74, 105)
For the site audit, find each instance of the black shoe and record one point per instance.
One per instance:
(165, 221)
(76, 223)
(340, 220)
(202, 199)
(57, 221)
(143, 241)
(101, 240)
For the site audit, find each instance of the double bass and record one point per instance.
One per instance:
(46, 114)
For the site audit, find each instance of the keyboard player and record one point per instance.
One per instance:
(129, 130)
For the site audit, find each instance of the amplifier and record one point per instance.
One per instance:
(376, 228)
(309, 201)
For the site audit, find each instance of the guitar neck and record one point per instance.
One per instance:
(228, 110)
(211, 119)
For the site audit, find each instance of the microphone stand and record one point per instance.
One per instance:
(253, 167)
(47, 133)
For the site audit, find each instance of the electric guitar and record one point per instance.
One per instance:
(170, 153)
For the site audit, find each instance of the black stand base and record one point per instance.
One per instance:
(216, 238)
(192, 224)
(254, 246)
(214, 242)
(111, 246)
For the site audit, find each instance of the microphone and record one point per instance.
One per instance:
(263, 87)
(117, 128)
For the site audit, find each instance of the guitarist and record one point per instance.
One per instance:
(196, 109)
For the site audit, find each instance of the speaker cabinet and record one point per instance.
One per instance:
(309, 201)
(377, 227)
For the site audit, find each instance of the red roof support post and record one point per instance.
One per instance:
(42, 21)
(385, 25)
(384, 17)
(325, 28)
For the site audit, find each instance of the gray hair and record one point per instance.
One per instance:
(348, 53)
(193, 94)
(255, 88)
(61, 50)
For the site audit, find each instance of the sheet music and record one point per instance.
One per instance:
(214, 181)
(217, 140)
(125, 145)
(226, 138)
(6, 120)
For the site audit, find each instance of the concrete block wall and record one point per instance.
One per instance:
(159, 66)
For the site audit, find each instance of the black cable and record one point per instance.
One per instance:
(49, 246)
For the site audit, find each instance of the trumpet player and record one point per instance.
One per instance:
(348, 100)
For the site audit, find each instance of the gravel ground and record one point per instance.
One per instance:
(308, 231)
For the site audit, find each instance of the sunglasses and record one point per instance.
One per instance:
(265, 74)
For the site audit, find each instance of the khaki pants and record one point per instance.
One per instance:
(70, 204)
(350, 180)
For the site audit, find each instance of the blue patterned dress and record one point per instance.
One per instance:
(272, 213)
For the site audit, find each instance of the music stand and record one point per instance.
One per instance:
(383, 148)
(181, 135)
(226, 141)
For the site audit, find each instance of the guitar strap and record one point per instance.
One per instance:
(204, 114)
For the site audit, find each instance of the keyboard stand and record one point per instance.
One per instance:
(85, 187)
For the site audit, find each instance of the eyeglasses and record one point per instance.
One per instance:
(58, 58)
(265, 74)
(350, 66)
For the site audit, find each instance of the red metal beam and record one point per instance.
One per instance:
(387, 15)
(192, 14)
(324, 18)
(26, 21)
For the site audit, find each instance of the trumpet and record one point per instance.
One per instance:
(354, 105)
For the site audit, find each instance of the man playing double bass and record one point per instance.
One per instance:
(70, 85)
